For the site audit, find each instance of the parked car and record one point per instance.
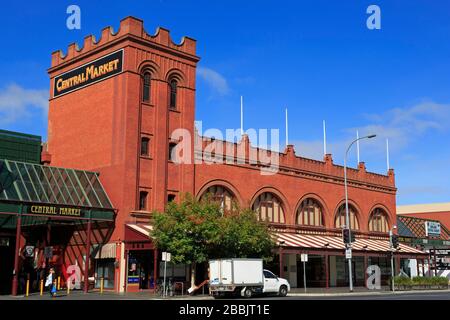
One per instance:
(244, 277)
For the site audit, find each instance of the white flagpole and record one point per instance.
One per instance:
(324, 139)
(387, 154)
(287, 129)
(242, 116)
(357, 145)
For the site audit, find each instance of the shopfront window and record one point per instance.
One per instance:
(105, 269)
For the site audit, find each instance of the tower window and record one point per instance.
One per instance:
(146, 87)
(170, 198)
(145, 146)
(173, 94)
(143, 200)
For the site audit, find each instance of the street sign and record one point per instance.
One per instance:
(304, 257)
(432, 228)
(348, 253)
(166, 256)
(48, 252)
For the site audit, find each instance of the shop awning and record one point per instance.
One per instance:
(143, 229)
(34, 183)
(107, 251)
(306, 241)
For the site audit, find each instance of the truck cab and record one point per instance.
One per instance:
(274, 284)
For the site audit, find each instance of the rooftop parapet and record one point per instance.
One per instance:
(290, 162)
(128, 26)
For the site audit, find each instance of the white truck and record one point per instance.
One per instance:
(244, 277)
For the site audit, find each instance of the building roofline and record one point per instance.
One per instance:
(423, 208)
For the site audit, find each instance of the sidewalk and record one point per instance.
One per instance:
(108, 295)
(357, 291)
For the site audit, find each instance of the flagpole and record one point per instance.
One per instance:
(242, 115)
(387, 154)
(287, 128)
(357, 145)
(324, 139)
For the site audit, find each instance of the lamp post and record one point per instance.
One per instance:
(347, 219)
(391, 245)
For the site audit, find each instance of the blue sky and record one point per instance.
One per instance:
(317, 58)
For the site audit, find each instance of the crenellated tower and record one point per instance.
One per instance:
(113, 103)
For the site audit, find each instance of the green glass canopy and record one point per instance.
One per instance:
(34, 183)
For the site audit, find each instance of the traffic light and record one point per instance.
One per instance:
(394, 239)
(346, 235)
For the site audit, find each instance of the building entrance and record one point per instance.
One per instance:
(315, 272)
(141, 273)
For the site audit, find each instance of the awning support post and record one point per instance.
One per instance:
(155, 267)
(15, 281)
(88, 254)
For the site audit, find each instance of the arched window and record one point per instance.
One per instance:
(146, 87)
(173, 94)
(221, 195)
(269, 208)
(310, 213)
(340, 219)
(378, 221)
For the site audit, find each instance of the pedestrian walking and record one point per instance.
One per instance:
(50, 282)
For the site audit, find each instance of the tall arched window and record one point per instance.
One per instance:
(221, 195)
(269, 208)
(173, 94)
(340, 219)
(310, 213)
(146, 87)
(378, 221)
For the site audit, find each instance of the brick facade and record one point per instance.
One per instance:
(99, 127)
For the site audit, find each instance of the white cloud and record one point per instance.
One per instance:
(402, 126)
(17, 103)
(214, 79)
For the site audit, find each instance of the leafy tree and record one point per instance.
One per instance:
(195, 231)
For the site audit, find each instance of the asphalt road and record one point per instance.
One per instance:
(437, 295)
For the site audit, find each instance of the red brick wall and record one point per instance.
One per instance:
(99, 126)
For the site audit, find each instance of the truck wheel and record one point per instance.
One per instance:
(248, 293)
(283, 291)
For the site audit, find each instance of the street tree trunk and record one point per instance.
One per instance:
(193, 272)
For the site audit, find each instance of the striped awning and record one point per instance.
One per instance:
(307, 241)
(143, 229)
(107, 251)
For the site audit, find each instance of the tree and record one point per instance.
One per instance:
(243, 236)
(195, 231)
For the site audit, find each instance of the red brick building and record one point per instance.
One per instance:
(114, 105)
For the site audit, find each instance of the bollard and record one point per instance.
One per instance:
(101, 284)
(59, 282)
(27, 290)
(42, 287)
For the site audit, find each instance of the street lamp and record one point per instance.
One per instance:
(347, 219)
(391, 245)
